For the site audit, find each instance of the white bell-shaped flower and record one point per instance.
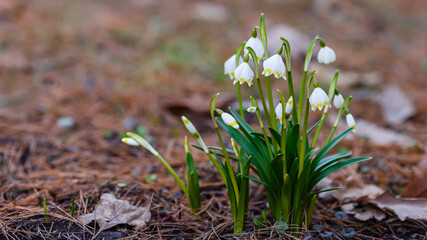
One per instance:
(130, 141)
(229, 120)
(326, 55)
(251, 109)
(257, 46)
(244, 73)
(230, 65)
(289, 105)
(350, 122)
(188, 125)
(338, 100)
(318, 99)
(279, 112)
(274, 65)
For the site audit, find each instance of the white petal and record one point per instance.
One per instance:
(279, 112)
(230, 65)
(229, 120)
(130, 141)
(188, 125)
(338, 100)
(251, 109)
(350, 122)
(257, 46)
(289, 105)
(318, 99)
(326, 55)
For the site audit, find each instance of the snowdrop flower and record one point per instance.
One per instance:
(229, 120)
(338, 100)
(326, 55)
(319, 99)
(251, 109)
(230, 65)
(289, 105)
(188, 125)
(135, 140)
(279, 112)
(350, 122)
(274, 65)
(244, 73)
(257, 46)
(130, 141)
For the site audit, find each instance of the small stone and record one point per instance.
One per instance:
(348, 232)
(121, 185)
(325, 234)
(65, 122)
(396, 106)
(341, 215)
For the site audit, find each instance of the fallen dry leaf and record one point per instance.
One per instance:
(416, 187)
(403, 207)
(112, 211)
(363, 213)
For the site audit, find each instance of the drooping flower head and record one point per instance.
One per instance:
(279, 112)
(129, 141)
(244, 73)
(350, 122)
(338, 100)
(188, 125)
(257, 46)
(274, 65)
(230, 65)
(326, 55)
(289, 105)
(229, 120)
(251, 109)
(318, 99)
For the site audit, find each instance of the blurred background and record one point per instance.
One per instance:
(75, 75)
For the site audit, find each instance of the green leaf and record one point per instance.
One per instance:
(313, 127)
(336, 167)
(328, 147)
(276, 135)
(194, 192)
(326, 161)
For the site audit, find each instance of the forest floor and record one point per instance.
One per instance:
(76, 75)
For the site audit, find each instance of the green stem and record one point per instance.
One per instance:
(239, 96)
(271, 104)
(175, 176)
(291, 93)
(258, 113)
(316, 135)
(264, 105)
(303, 140)
(301, 95)
(228, 163)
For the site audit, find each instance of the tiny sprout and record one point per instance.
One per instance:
(326, 55)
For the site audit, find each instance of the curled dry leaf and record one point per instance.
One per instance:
(403, 207)
(363, 213)
(112, 211)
